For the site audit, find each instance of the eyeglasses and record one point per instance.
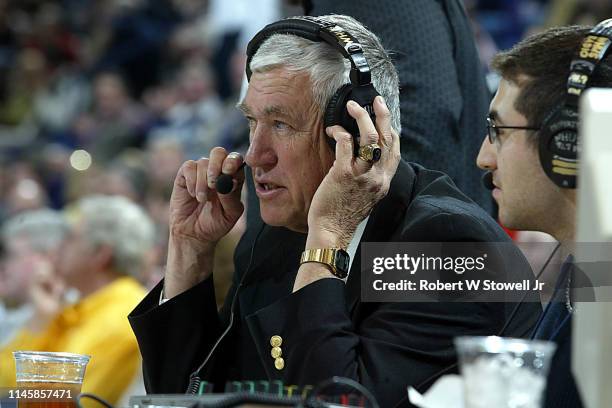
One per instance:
(493, 133)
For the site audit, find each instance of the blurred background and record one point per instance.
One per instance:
(109, 97)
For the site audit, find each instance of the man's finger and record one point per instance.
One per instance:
(187, 175)
(344, 145)
(383, 121)
(217, 156)
(232, 163)
(201, 187)
(367, 131)
(369, 151)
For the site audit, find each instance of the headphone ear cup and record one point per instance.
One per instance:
(558, 146)
(336, 110)
(337, 114)
(336, 107)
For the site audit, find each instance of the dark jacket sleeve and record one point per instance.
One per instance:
(175, 337)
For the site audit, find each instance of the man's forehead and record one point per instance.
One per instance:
(267, 110)
(270, 96)
(502, 107)
(278, 80)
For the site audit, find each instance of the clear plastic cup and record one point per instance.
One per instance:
(503, 372)
(49, 380)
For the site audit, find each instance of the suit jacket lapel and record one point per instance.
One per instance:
(275, 262)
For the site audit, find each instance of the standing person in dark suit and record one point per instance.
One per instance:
(297, 315)
(531, 150)
(443, 94)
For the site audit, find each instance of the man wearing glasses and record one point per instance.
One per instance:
(535, 84)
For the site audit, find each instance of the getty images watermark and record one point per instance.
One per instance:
(463, 272)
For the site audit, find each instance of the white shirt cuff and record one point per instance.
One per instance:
(162, 299)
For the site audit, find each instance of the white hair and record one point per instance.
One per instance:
(326, 66)
(43, 230)
(122, 225)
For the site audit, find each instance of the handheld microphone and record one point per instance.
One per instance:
(487, 180)
(225, 182)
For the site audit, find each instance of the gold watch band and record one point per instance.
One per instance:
(322, 255)
(325, 256)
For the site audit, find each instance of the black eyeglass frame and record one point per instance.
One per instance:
(492, 133)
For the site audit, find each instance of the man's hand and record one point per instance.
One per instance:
(46, 292)
(352, 187)
(200, 217)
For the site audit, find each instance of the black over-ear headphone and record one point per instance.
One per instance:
(559, 145)
(360, 89)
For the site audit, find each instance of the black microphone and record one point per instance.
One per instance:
(225, 182)
(487, 180)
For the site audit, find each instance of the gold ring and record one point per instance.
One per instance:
(370, 153)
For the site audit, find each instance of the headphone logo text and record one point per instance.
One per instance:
(342, 36)
(592, 46)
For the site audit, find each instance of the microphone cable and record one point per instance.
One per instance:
(194, 378)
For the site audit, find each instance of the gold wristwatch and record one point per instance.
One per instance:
(336, 259)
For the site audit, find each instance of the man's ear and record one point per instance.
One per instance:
(104, 257)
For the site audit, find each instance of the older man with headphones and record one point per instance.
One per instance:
(531, 151)
(324, 153)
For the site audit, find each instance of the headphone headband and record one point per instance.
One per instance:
(592, 50)
(360, 89)
(559, 144)
(317, 30)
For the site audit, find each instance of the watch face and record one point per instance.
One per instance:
(342, 263)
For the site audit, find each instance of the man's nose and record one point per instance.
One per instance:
(487, 156)
(261, 150)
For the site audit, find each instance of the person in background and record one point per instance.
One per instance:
(31, 241)
(443, 94)
(533, 88)
(108, 243)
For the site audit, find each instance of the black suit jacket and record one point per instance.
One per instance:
(326, 329)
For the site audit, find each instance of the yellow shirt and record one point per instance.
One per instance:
(97, 326)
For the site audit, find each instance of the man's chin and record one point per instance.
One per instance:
(272, 218)
(509, 221)
(281, 220)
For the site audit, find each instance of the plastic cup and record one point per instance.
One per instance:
(503, 372)
(49, 380)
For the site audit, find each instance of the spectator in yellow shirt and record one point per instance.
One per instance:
(108, 243)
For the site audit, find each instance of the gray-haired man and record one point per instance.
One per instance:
(300, 321)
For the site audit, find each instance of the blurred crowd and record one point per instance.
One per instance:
(499, 24)
(101, 101)
(109, 97)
